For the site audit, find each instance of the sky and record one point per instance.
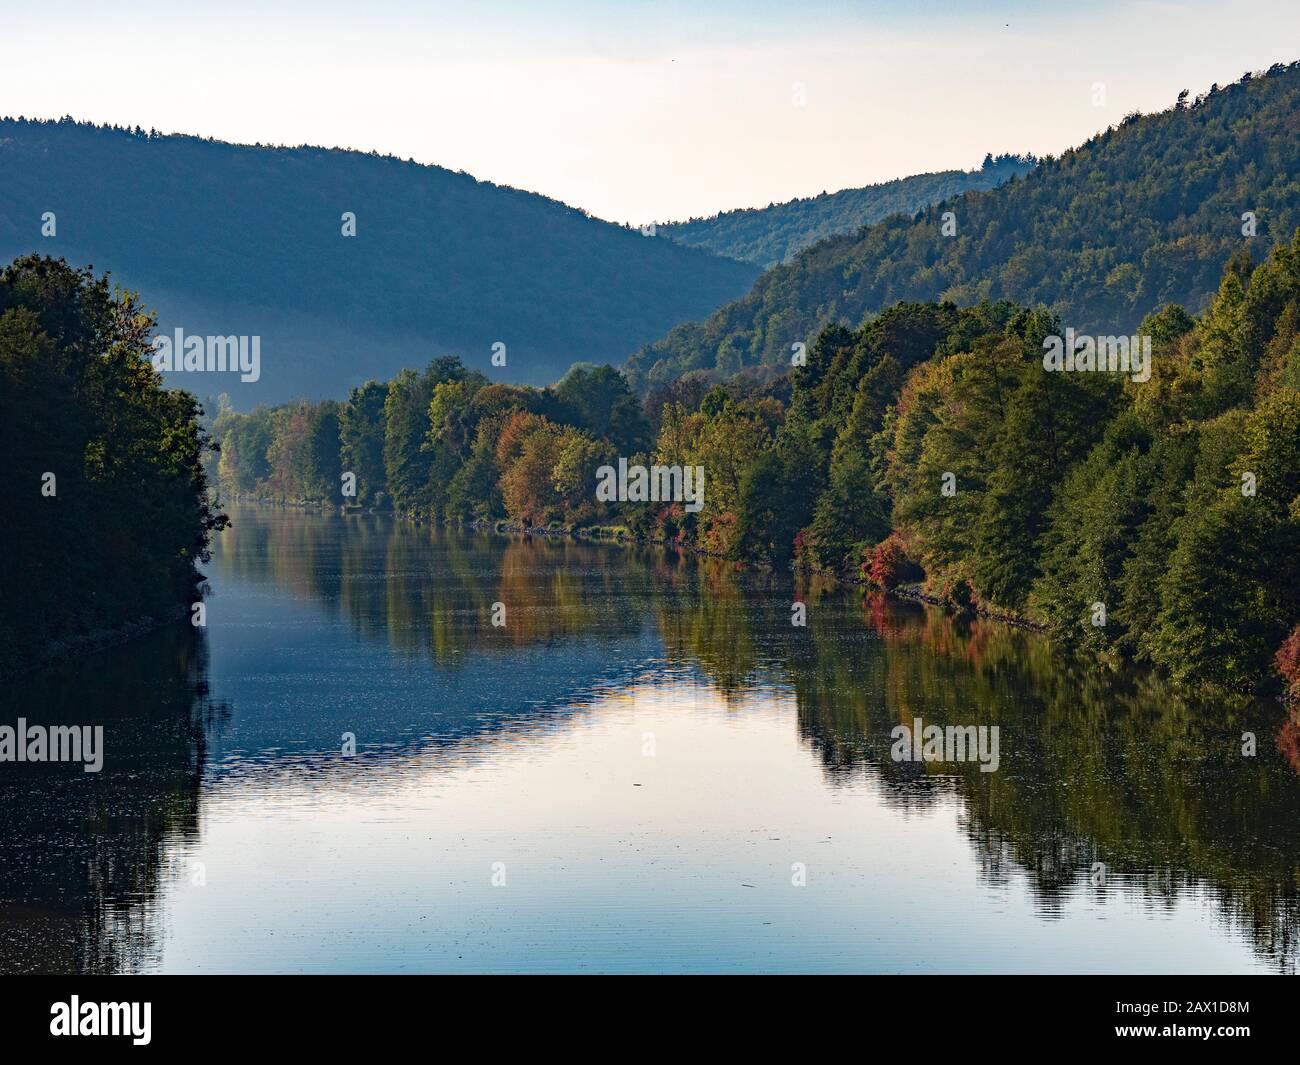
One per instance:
(638, 111)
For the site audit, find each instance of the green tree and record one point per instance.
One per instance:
(361, 441)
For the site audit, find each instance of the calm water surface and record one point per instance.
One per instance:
(630, 775)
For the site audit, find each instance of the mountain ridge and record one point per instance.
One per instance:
(248, 239)
(1189, 175)
(773, 234)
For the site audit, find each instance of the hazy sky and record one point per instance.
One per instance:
(637, 111)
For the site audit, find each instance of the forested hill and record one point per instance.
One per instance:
(770, 235)
(1141, 215)
(234, 239)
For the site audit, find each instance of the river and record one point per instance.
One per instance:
(645, 767)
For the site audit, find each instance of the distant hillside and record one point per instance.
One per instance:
(770, 235)
(1141, 215)
(235, 239)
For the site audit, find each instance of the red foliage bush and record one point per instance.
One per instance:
(802, 542)
(1287, 661)
(886, 565)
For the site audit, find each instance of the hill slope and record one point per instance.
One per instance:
(237, 239)
(766, 236)
(1139, 216)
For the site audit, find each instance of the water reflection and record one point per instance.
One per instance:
(82, 855)
(1110, 767)
(1119, 799)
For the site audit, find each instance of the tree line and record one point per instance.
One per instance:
(1157, 520)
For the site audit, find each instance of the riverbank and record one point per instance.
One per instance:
(913, 591)
(600, 534)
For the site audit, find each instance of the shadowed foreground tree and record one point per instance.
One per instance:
(108, 510)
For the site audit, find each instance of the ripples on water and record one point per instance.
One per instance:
(628, 776)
